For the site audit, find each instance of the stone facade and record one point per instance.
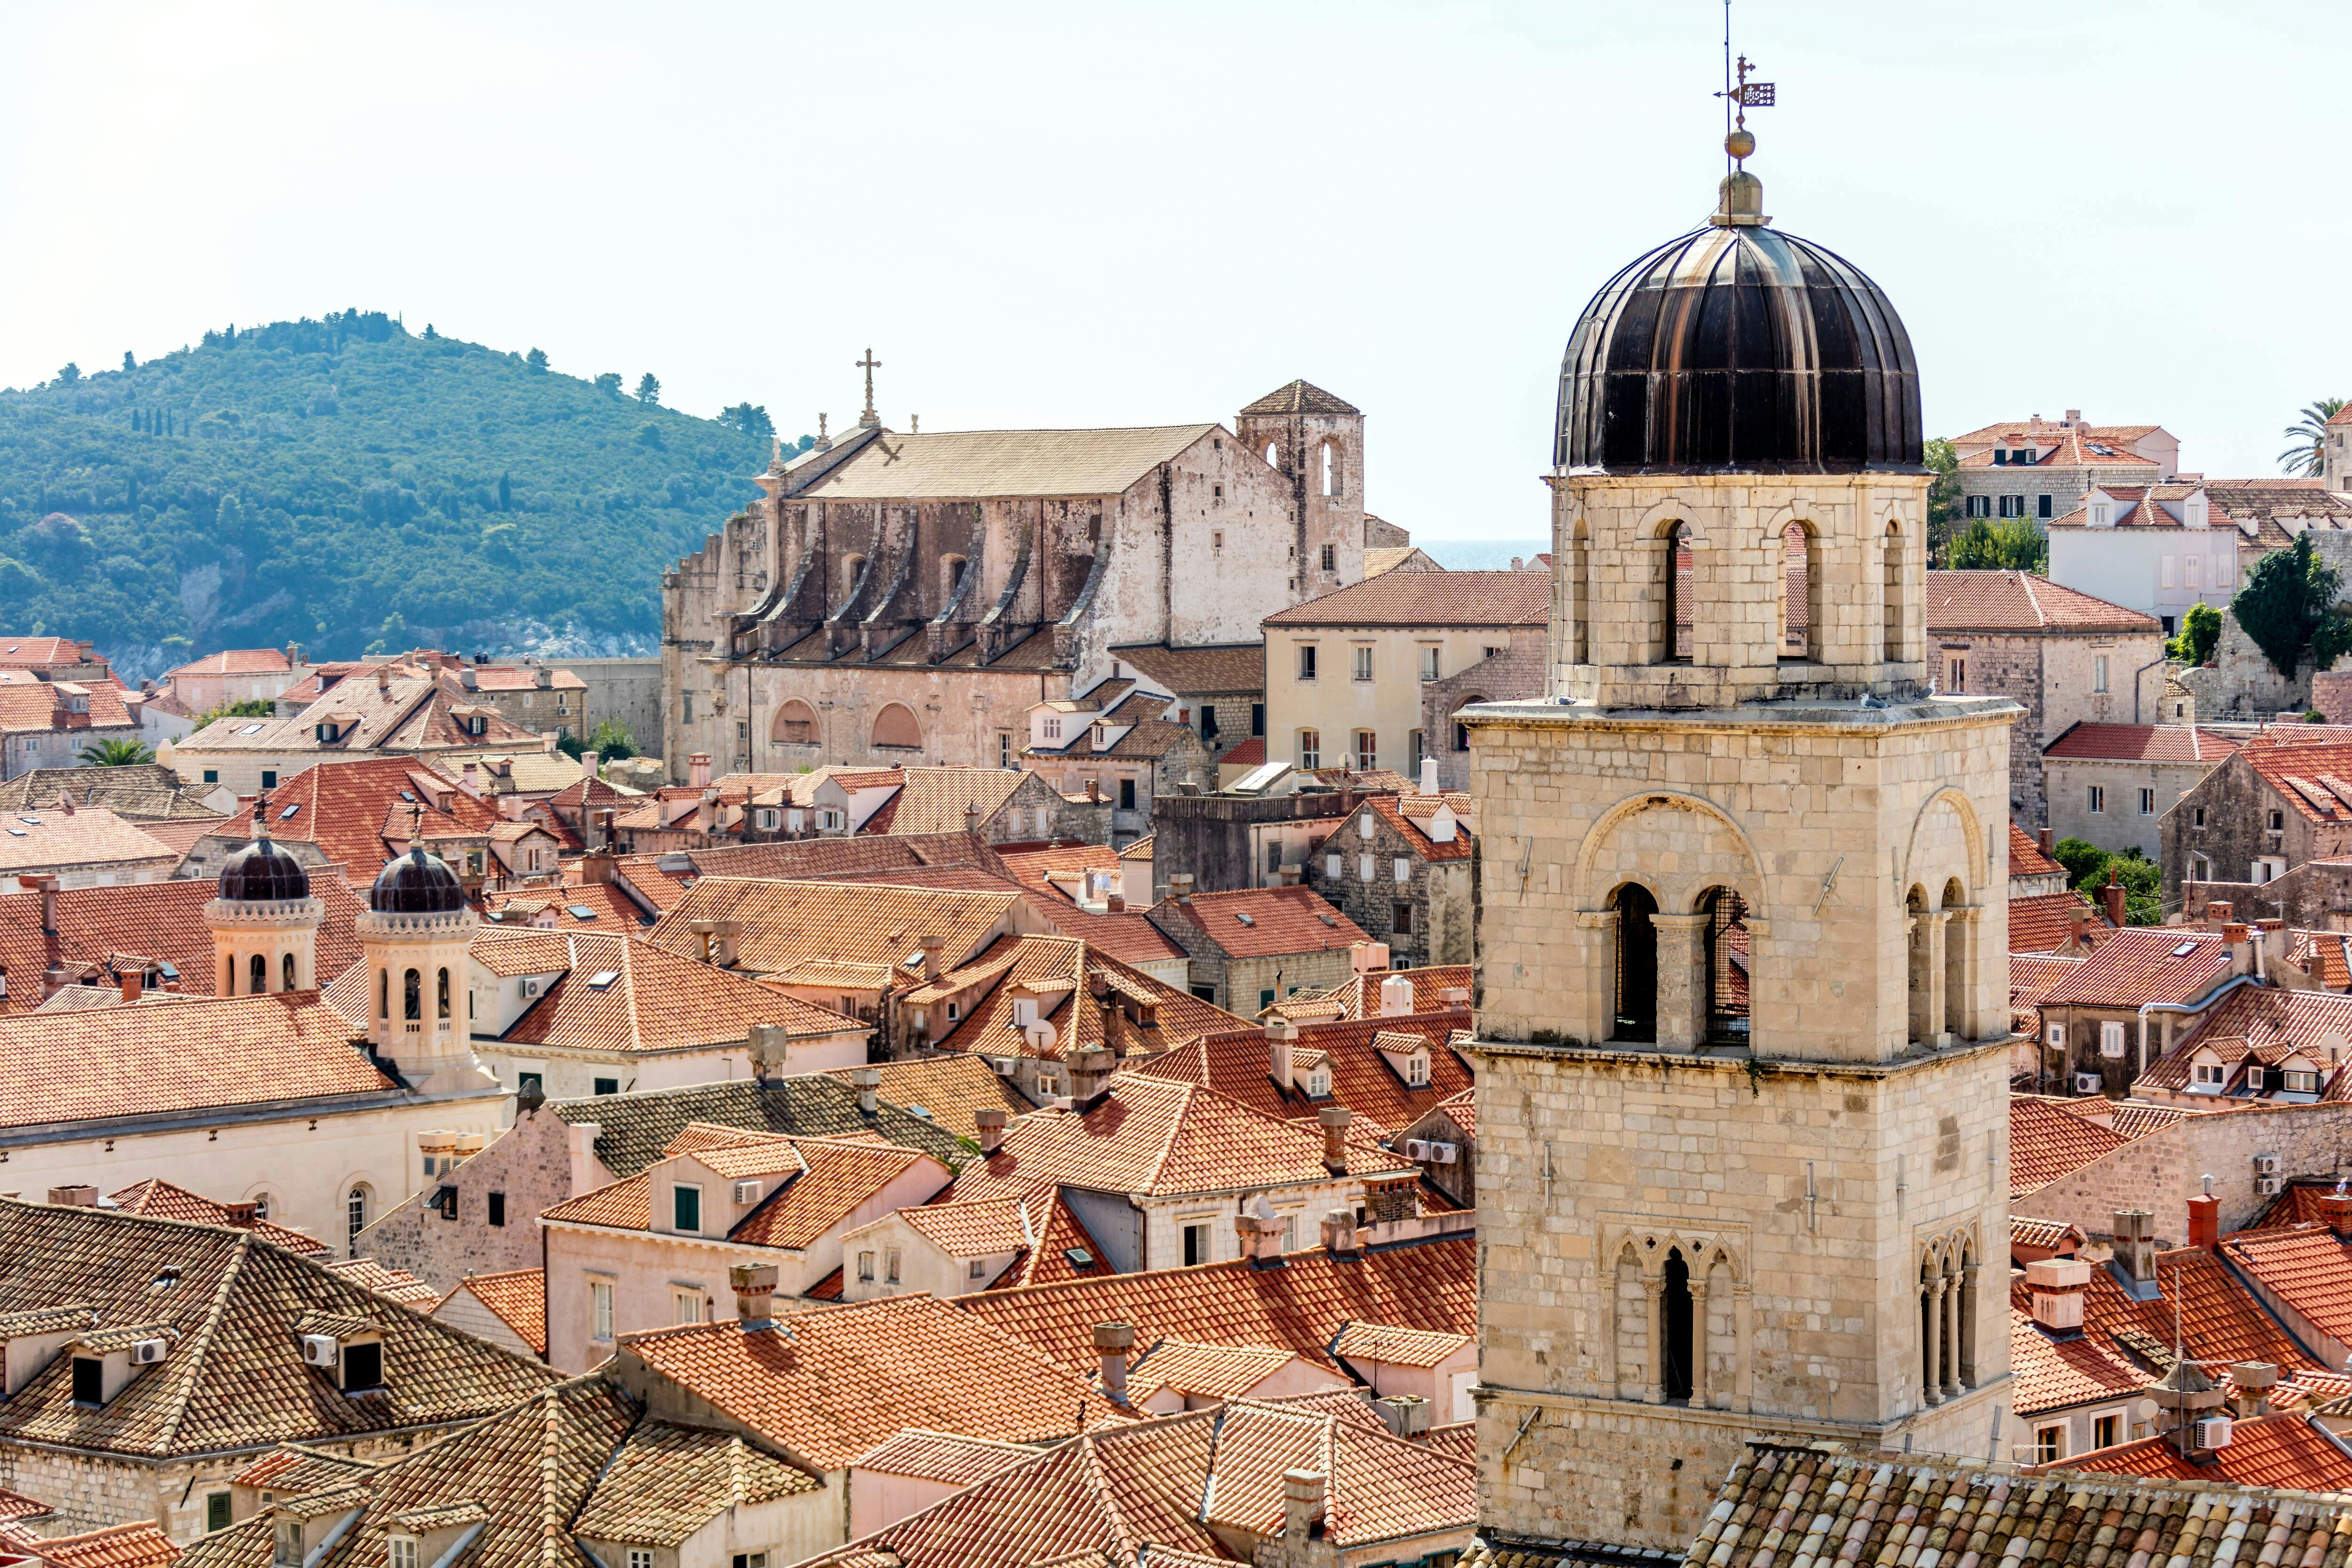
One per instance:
(625, 690)
(1370, 686)
(2241, 682)
(2132, 798)
(2236, 824)
(1516, 674)
(2055, 676)
(1425, 917)
(539, 1161)
(1228, 842)
(2162, 1170)
(91, 1491)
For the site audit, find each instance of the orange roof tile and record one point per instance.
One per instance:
(823, 1181)
(2139, 965)
(517, 1297)
(1385, 1345)
(1211, 1371)
(2056, 1371)
(655, 1000)
(1429, 599)
(139, 1545)
(942, 1456)
(2026, 858)
(833, 934)
(2220, 1321)
(1236, 1063)
(393, 1284)
(358, 812)
(2287, 1451)
(2045, 1142)
(1262, 923)
(1987, 601)
(2055, 1234)
(946, 1090)
(2045, 923)
(1065, 972)
(2140, 743)
(837, 1382)
(162, 1199)
(2310, 1270)
(90, 836)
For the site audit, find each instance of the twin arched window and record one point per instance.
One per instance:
(1802, 607)
(412, 997)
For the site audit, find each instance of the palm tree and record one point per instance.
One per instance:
(2308, 434)
(116, 753)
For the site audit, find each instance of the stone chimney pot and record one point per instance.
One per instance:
(1112, 1342)
(755, 1293)
(869, 1085)
(1334, 1119)
(990, 1120)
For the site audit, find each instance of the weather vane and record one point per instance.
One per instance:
(1739, 96)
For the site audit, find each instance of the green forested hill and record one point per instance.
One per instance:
(346, 484)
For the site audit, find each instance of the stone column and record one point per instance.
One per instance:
(1681, 980)
(1698, 1398)
(1743, 1329)
(1960, 1363)
(1597, 929)
(1933, 1359)
(1933, 922)
(1914, 987)
(1653, 1286)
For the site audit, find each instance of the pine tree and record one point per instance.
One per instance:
(535, 361)
(128, 362)
(648, 388)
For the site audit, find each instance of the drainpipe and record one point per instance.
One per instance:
(2187, 1009)
(2143, 669)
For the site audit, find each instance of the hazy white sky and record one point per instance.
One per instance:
(1061, 215)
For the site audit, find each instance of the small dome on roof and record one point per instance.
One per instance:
(416, 884)
(263, 872)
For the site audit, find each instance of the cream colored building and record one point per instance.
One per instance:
(1709, 1209)
(1345, 673)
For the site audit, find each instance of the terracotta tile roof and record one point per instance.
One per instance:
(1379, 1488)
(2029, 980)
(1236, 1063)
(2310, 1270)
(2297, 1204)
(1301, 1306)
(162, 1200)
(1264, 922)
(1247, 754)
(942, 1456)
(36, 707)
(841, 1380)
(2288, 1451)
(2219, 1323)
(145, 793)
(608, 908)
(2325, 955)
(637, 1128)
(1153, 1138)
(2026, 858)
(833, 934)
(2062, 447)
(1359, 997)
(972, 464)
(2139, 1121)
(1852, 1505)
(1414, 830)
(2304, 777)
(237, 661)
(416, 710)
(1129, 936)
(1216, 670)
(2140, 743)
(14, 1505)
(840, 1178)
(392, 1284)
(2055, 1234)
(1385, 1345)
(1211, 1371)
(1430, 599)
(62, 1068)
(667, 1481)
(2052, 1372)
(345, 808)
(161, 921)
(50, 838)
(2263, 1024)
(654, 1001)
(1065, 972)
(1455, 1440)
(946, 1089)
(233, 1379)
(2139, 965)
(517, 1297)
(933, 800)
(514, 677)
(38, 653)
(1985, 601)
(1300, 397)
(2044, 922)
(139, 1545)
(2046, 1142)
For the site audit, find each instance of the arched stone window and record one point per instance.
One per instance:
(1947, 1318)
(1637, 964)
(1677, 575)
(795, 724)
(1800, 608)
(852, 566)
(443, 991)
(1920, 969)
(1894, 610)
(1273, 456)
(895, 726)
(383, 993)
(412, 997)
(1674, 1328)
(1727, 972)
(259, 971)
(1461, 730)
(288, 968)
(355, 1215)
(1330, 470)
(1579, 595)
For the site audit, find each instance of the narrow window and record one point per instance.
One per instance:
(384, 992)
(1797, 576)
(1680, 572)
(686, 1306)
(1363, 664)
(497, 1208)
(1892, 607)
(1127, 795)
(1429, 664)
(1257, 719)
(1727, 965)
(400, 1551)
(413, 996)
(1330, 480)
(1330, 558)
(866, 1268)
(2099, 673)
(1368, 750)
(600, 1313)
(890, 1265)
(2041, 505)
(2049, 1444)
(1400, 920)
(1307, 662)
(2147, 802)
(1675, 1306)
(288, 968)
(1273, 456)
(268, 778)
(2099, 798)
(355, 1215)
(259, 971)
(1637, 964)
(89, 1381)
(2106, 1431)
(686, 1207)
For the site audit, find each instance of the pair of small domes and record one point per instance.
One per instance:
(416, 883)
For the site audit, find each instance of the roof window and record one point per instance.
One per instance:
(287, 815)
(1246, 919)
(2184, 949)
(250, 728)
(603, 979)
(579, 911)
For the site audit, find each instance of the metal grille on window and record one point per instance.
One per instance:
(1727, 965)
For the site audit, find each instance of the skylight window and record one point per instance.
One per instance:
(1245, 920)
(35, 821)
(2184, 949)
(250, 728)
(17, 833)
(287, 815)
(579, 911)
(603, 979)
(408, 797)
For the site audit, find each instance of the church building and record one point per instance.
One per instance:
(1742, 1163)
(907, 597)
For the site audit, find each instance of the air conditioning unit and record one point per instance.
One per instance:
(320, 1349)
(149, 1352)
(2212, 1431)
(531, 987)
(1443, 1153)
(747, 1192)
(2266, 1186)
(1003, 1066)
(1417, 1149)
(2266, 1165)
(2088, 1083)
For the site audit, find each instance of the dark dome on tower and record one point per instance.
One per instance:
(1737, 347)
(416, 884)
(263, 873)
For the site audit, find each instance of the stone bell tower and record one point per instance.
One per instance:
(1742, 953)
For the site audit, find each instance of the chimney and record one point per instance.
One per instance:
(2058, 1286)
(134, 978)
(1112, 1342)
(2134, 1253)
(1180, 886)
(869, 1083)
(469, 779)
(1428, 776)
(1302, 1505)
(698, 770)
(1090, 1077)
(770, 1050)
(1114, 903)
(990, 1120)
(1339, 1233)
(755, 1293)
(2205, 1220)
(2112, 896)
(1281, 1036)
(81, 1195)
(588, 761)
(2239, 940)
(582, 1136)
(244, 1217)
(545, 678)
(2073, 417)
(2335, 1208)
(1260, 1233)
(1094, 790)
(1407, 1414)
(972, 816)
(2046, 839)
(1388, 1199)
(1334, 1119)
(933, 947)
(384, 678)
(2272, 939)
(2217, 913)
(2255, 1379)
(529, 1098)
(718, 940)
(468, 680)
(48, 888)
(1396, 997)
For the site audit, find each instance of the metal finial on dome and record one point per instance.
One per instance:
(261, 814)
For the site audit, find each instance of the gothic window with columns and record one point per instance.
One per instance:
(1947, 1317)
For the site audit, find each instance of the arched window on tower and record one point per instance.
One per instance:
(259, 971)
(288, 967)
(1273, 456)
(228, 976)
(1461, 730)
(1330, 470)
(1921, 978)
(412, 997)
(1800, 593)
(443, 995)
(1678, 575)
(1727, 965)
(1955, 962)
(1894, 609)
(355, 1217)
(1674, 1329)
(383, 993)
(1637, 964)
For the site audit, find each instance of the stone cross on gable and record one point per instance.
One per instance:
(869, 364)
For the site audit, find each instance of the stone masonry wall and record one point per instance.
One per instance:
(1518, 674)
(2161, 1172)
(531, 1164)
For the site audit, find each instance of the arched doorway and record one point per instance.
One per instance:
(1637, 964)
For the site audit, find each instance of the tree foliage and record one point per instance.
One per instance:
(2306, 437)
(2009, 545)
(120, 753)
(374, 474)
(242, 708)
(610, 740)
(649, 388)
(2088, 868)
(2200, 629)
(750, 420)
(609, 384)
(1944, 499)
(2289, 605)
